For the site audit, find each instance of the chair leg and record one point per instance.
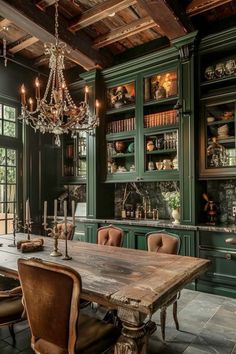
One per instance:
(12, 333)
(175, 315)
(163, 322)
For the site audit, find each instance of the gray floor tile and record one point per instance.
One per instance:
(207, 326)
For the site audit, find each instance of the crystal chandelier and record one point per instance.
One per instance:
(56, 112)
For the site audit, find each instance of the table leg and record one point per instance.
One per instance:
(134, 334)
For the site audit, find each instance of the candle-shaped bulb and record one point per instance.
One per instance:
(97, 107)
(37, 88)
(86, 90)
(22, 93)
(27, 211)
(31, 104)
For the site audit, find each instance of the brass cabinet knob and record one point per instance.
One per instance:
(228, 256)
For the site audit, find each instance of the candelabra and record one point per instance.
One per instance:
(54, 233)
(66, 257)
(16, 228)
(28, 227)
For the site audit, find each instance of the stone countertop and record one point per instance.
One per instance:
(157, 223)
(162, 223)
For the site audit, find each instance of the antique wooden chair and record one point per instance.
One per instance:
(52, 300)
(70, 231)
(110, 236)
(11, 308)
(163, 242)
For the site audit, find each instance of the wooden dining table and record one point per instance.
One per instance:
(136, 283)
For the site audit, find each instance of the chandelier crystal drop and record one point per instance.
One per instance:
(56, 113)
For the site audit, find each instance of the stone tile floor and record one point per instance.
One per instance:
(207, 325)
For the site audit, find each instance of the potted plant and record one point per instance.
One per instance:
(173, 200)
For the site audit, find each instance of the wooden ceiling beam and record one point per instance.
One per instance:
(169, 16)
(24, 43)
(41, 60)
(4, 23)
(41, 25)
(42, 4)
(198, 6)
(98, 13)
(124, 31)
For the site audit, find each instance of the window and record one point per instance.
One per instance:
(8, 167)
(7, 120)
(9, 151)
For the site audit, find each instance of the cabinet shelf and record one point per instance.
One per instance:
(222, 121)
(161, 102)
(122, 155)
(123, 135)
(123, 109)
(223, 80)
(161, 128)
(161, 152)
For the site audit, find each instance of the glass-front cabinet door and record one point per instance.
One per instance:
(219, 155)
(121, 132)
(160, 125)
(74, 162)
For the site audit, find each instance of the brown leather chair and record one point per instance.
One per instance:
(163, 242)
(70, 231)
(110, 236)
(52, 299)
(11, 308)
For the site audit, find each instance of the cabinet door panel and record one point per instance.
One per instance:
(222, 269)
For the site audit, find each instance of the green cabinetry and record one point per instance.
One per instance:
(221, 277)
(218, 106)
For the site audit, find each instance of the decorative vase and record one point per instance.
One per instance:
(176, 216)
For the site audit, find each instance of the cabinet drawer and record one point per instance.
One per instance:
(216, 239)
(222, 268)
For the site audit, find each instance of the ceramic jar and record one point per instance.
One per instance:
(230, 67)
(150, 145)
(150, 166)
(219, 70)
(209, 73)
(166, 164)
(120, 146)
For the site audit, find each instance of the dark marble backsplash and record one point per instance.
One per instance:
(138, 193)
(223, 193)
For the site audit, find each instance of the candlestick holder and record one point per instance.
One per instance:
(66, 257)
(54, 233)
(16, 228)
(28, 228)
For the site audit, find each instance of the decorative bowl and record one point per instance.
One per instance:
(120, 146)
(210, 119)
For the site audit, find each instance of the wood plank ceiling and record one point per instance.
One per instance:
(97, 31)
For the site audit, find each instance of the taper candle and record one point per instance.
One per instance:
(73, 212)
(86, 90)
(37, 88)
(27, 211)
(45, 205)
(55, 210)
(22, 93)
(96, 108)
(30, 104)
(65, 214)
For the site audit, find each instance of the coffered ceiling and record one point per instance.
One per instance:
(100, 32)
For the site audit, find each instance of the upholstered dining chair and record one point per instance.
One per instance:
(11, 308)
(110, 236)
(70, 231)
(163, 242)
(52, 299)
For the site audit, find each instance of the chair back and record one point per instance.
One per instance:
(163, 242)
(51, 296)
(70, 231)
(110, 236)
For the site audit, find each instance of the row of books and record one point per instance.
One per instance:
(161, 118)
(122, 125)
